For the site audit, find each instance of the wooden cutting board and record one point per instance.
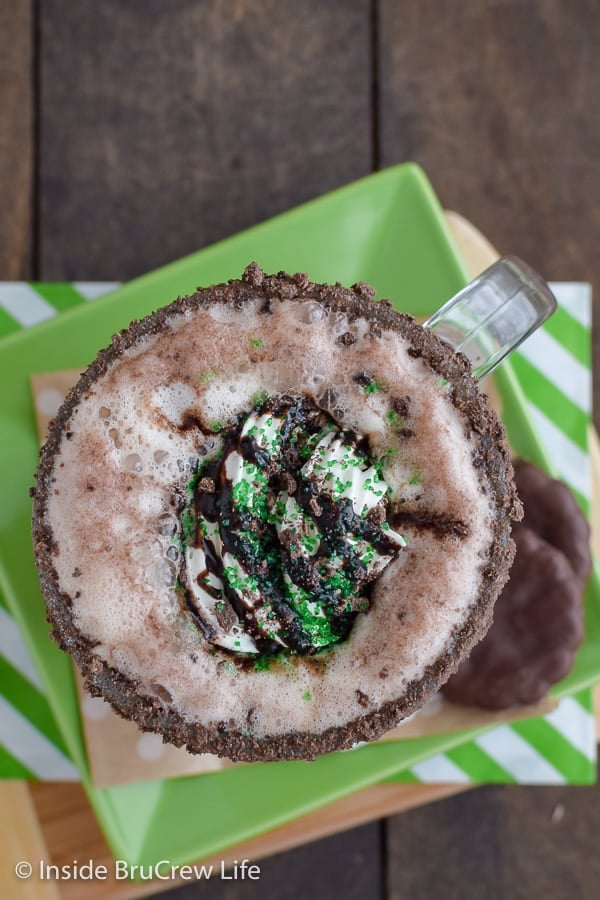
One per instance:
(54, 822)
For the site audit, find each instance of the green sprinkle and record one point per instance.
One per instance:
(216, 426)
(415, 478)
(340, 485)
(188, 523)
(340, 582)
(310, 543)
(384, 459)
(256, 342)
(314, 622)
(207, 376)
(262, 664)
(237, 581)
(191, 485)
(259, 398)
(252, 539)
(393, 418)
(251, 492)
(307, 695)
(369, 555)
(373, 386)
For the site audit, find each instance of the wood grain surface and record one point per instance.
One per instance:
(139, 132)
(498, 843)
(17, 111)
(196, 119)
(498, 101)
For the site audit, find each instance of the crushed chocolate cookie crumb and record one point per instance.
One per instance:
(225, 615)
(291, 484)
(377, 515)
(401, 405)
(314, 507)
(364, 290)
(441, 526)
(253, 275)
(302, 280)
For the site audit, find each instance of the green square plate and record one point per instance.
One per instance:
(387, 229)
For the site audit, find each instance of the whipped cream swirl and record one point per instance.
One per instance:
(286, 528)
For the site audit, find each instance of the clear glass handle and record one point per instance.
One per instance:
(489, 318)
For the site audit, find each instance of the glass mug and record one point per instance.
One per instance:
(493, 314)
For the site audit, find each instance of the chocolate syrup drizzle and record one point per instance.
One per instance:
(288, 598)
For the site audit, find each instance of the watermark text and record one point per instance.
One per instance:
(121, 870)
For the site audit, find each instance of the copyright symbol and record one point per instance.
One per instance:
(23, 869)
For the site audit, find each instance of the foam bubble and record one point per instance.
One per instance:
(133, 462)
(173, 400)
(115, 437)
(224, 397)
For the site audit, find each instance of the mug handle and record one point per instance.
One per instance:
(495, 313)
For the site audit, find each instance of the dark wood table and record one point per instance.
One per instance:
(132, 133)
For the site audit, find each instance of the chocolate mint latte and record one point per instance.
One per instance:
(272, 517)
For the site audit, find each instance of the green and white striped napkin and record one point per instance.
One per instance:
(554, 369)
(31, 745)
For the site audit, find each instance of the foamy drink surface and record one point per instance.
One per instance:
(272, 518)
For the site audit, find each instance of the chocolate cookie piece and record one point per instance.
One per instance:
(537, 628)
(552, 512)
